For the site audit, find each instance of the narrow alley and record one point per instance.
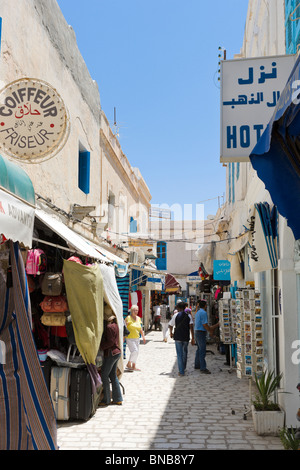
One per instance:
(162, 411)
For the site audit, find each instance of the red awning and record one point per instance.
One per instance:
(171, 285)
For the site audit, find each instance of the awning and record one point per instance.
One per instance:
(14, 180)
(264, 238)
(238, 243)
(17, 203)
(276, 157)
(171, 284)
(80, 244)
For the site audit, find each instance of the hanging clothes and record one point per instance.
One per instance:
(113, 299)
(123, 287)
(27, 418)
(84, 288)
(135, 298)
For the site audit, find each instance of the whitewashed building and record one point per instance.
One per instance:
(265, 36)
(89, 182)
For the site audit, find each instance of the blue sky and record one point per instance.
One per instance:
(156, 62)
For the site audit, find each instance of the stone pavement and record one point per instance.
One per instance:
(162, 411)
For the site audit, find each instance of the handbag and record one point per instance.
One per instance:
(54, 304)
(126, 332)
(53, 319)
(52, 284)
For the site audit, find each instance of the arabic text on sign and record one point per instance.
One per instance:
(262, 78)
(243, 100)
(37, 96)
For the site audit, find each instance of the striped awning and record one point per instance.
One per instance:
(172, 286)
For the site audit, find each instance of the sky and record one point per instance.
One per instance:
(156, 64)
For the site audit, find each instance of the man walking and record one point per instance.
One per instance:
(201, 329)
(164, 321)
(183, 323)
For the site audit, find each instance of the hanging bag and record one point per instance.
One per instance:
(36, 262)
(56, 303)
(52, 284)
(53, 319)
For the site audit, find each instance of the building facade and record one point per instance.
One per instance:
(177, 244)
(269, 31)
(89, 181)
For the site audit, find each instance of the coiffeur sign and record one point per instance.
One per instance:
(34, 122)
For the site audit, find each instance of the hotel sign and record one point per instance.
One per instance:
(250, 90)
(34, 122)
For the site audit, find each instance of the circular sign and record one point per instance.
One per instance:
(34, 123)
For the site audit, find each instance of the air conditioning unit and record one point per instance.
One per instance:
(141, 256)
(133, 257)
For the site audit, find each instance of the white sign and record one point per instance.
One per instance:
(250, 90)
(193, 279)
(16, 219)
(34, 124)
(160, 213)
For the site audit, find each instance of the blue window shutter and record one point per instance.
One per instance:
(84, 172)
(133, 225)
(161, 261)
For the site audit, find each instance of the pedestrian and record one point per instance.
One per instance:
(201, 329)
(110, 345)
(134, 325)
(164, 321)
(156, 317)
(183, 323)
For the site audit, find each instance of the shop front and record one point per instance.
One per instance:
(73, 286)
(27, 419)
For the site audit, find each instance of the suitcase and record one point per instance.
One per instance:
(46, 367)
(60, 392)
(81, 396)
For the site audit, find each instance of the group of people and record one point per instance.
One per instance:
(181, 328)
(184, 328)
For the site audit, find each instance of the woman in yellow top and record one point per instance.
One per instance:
(134, 325)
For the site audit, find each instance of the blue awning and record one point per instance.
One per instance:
(17, 204)
(16, 181)
(276, 157)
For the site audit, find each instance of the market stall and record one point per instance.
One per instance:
(27, 420)
(69, 291)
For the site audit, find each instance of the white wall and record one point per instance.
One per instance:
(265, 36)
(37, 42)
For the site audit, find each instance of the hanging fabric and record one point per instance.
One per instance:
(84, 288)
(123, 287)
(27, 419)
(113, 299)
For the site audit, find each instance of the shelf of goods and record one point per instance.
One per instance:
(250, 354)
(241, 323)
(228, 321)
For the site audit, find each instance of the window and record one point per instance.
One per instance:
(133, 225)
(161, 261)
(84, 171)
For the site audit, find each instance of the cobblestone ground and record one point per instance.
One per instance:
(162, 411)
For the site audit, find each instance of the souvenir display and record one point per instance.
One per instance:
(249, 336)
(228, 320)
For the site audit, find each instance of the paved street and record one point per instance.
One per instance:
(164, 411)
